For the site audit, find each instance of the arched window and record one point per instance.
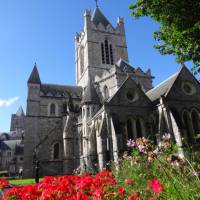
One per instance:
(81, 55)
(88, 111)
(129, 127)
(106, 92)
(138, 128)
(111, 55)
(52, 109)
(195, 122)
(56, 151)
(107, 52)
(187, 124)
(102, 53)
(81, 144)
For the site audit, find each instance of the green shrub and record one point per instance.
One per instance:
(144, 161)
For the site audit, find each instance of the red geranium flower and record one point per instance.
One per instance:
(121, 192)
(3, 183)
(156, 186)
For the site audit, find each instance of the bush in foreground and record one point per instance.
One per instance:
(143, 161)
(145, 172)
(81, 187)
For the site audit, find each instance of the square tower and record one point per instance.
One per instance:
(99, 46)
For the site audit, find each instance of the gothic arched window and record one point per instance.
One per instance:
(81, 59)
(195, 122)
(106, 92)
(107, 52)
(56, 151)
(52, 109)
(81, 144)
(129, 127)
(102, 53)
(111, 55)
(139, 128)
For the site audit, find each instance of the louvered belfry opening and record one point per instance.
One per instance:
(107, 53)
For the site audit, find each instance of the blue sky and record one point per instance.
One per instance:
(43, 31)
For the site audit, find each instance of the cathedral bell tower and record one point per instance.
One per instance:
(98, 46)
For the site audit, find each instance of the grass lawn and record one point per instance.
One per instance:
(22, 182)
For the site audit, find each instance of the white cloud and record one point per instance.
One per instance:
(8, 102)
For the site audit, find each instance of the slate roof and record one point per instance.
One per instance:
(98, 17)
(61, 90)
(125, 66)
(34, 77)
(90, 95)
(162, 89)
(10, 144)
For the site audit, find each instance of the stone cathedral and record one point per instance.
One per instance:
(89, 124)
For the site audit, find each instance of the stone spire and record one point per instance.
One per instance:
(20, 112)
(34, 77)
(90, 96)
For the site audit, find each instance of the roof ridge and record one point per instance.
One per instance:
(49, 84)
(164, 81)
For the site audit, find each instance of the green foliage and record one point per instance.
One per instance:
(179, 32)
(178, 176)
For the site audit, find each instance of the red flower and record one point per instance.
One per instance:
(156, 186)
(121, 192)
(135, 196)
(150, 198)
(3, 183)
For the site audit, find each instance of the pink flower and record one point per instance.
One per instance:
(129, 181)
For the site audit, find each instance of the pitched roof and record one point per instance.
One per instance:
(98, 17)
(20, 112)
(125, 66)
(10, 144)
(34, 77)
(62, 90)
(162, 89)
(90, 95)
(124, 85)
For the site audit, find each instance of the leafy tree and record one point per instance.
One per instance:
(179, 33)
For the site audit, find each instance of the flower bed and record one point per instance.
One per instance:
(81, 187)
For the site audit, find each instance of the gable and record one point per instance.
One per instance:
(129, 94)
(186, 87)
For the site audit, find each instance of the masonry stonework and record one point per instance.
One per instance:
(89, 124)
